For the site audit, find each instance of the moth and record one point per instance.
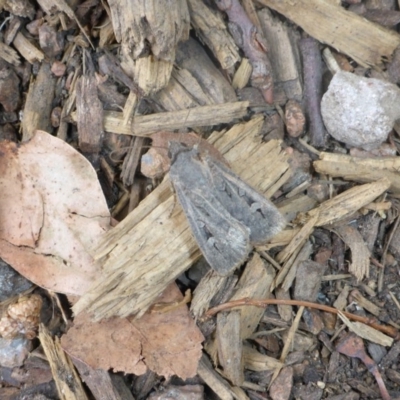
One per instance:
(227, 216)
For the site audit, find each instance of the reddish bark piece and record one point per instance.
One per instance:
(252, 43)
(282, 385)
(156, 162)
(52, 210)
(167, 343)
(294, 118)
(353, 346)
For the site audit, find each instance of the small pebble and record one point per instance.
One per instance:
(360, 111)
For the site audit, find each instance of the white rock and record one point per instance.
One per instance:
(360, 111)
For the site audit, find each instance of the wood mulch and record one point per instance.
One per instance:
(312, 314)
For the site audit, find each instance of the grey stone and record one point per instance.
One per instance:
(360, 111)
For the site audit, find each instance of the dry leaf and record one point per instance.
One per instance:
(52, 209)
(167, 343)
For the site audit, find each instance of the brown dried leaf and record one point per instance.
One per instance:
(167, 343)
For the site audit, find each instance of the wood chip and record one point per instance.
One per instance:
(360, 169)
(211, 30)
(133, 242)
(217, 384)
(145, 125)
(230, 345)
(27, 49)
(69, 385)
(360, 254)
(365, 42)
(367, 332)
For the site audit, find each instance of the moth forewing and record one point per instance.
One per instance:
(226, 215)
(224, 242)
(246, 204)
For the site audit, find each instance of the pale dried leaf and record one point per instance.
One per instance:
(52, 209)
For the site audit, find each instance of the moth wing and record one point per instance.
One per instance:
(224, 241)
(245, 204)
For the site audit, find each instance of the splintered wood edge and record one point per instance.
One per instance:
(145, 125)
(164, 191)
(360, 169)
(69, 386)
(110, 294)
(364, 41)
(360, 254)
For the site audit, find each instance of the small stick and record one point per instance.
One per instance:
(252, 43)
(264, 303)
(312, 73)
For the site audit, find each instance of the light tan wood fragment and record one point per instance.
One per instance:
(284, 311)
(291, 207)
(139, 24)
(68, 384)
(341, 300)
(151, 74)
(360, 169)
(207, 288)
(230, 346)
(367, 332)
(348, 202)
(242, 75)
(182, 92)
(106, 34)
(149, 26)
(211, 30)
(330, 61)
(213, 380)
(288, 343)
(142, 260)
(298, 241)
(27, 50)
(102, 384)
(364, 41)
(239, 392)
(8, 54)
(281, 239)
(255, 361)
(145, 125)
(360, 254)
(303, 255)
(255, 283)
(333, 210)
(364, 303)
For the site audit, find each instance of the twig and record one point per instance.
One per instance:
(312, 71)
(252, 43)
(264, 303)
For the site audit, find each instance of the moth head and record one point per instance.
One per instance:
(175, 148)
